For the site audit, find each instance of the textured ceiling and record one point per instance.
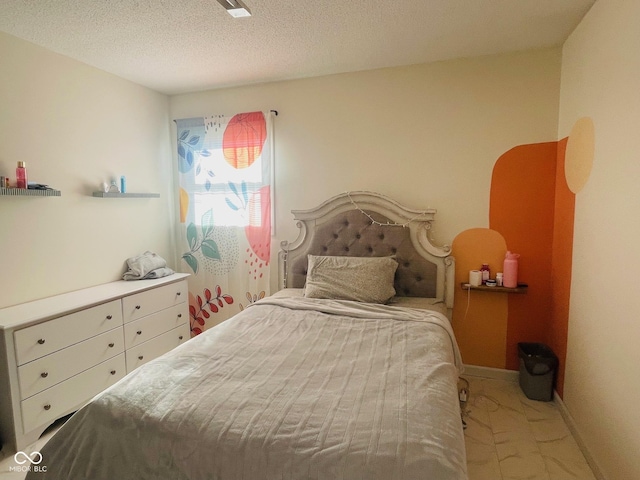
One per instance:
(177, 46)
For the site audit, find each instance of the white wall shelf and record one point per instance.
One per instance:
(28, 192)
(125, 195)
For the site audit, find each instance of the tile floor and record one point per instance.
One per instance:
(508, 437)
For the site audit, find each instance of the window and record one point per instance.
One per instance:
(225, 169)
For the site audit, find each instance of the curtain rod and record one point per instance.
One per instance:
(275, 112)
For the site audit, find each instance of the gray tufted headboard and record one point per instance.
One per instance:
(366, 224)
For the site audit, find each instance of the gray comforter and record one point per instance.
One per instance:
(287, 389)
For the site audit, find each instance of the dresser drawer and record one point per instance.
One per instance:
(48, 337)
(139, 331)
(141, 354)
(47, 371)
(145, 303)
(56, 401)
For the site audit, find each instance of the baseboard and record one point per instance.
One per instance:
(490, 372)
(571, 423)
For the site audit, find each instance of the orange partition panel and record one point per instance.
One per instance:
(522, 209)
(479, 318)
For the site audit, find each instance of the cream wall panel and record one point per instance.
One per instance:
(600, 78)
(425, 135)
(77, 126)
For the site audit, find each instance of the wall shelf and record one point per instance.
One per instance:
(125, 195)
(521, 288)
(28, 192)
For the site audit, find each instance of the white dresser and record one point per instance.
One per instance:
(59, 352)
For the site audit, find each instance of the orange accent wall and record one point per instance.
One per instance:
(561, 265)
(522, 209)
(531, 212)
(480, 329)
(533, 208)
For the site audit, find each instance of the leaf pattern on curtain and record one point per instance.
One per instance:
(224, 234)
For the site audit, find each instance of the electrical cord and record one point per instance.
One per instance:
(468, 303)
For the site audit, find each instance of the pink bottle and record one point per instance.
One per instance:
(21, 175)
(510, 270)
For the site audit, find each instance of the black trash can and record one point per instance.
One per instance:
(538, 365)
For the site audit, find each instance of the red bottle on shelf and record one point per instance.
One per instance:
(486, 273)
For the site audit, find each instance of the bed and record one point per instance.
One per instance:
(318, 381)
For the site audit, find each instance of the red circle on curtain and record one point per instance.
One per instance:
(244, 138)
(259, 230)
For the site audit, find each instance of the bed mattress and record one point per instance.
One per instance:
(291, 388)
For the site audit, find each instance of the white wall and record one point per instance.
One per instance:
(426, 135)
(76, 126)
(601, 80)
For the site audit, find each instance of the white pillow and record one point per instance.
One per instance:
(363, 279)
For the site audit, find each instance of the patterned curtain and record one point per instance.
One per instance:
(224, 234)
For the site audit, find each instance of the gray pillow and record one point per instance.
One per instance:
(363, 279)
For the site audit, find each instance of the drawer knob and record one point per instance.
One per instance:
(137, 307)
(44, 374)
(47, 407)
(179, 293)
(139, 332)
(113, 372)
(140, 357)
(179, 315)
(180, 337)
(109, 317)
(41, 341)
(111, 345)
